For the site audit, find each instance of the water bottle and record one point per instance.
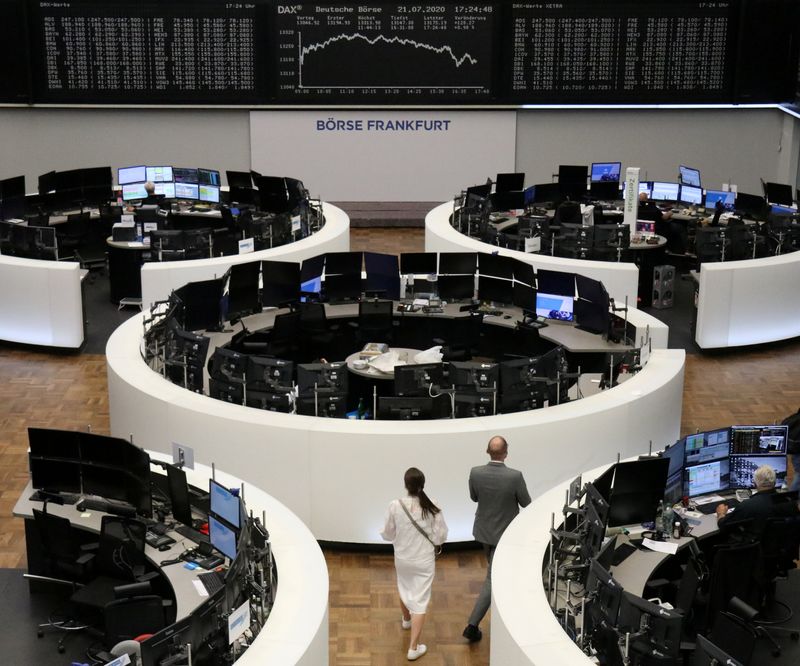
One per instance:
(362, 410)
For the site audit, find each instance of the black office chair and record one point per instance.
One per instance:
(780, 548)
(73, 233)
(283, 340)
(734, 637)
(314, 328)
(134, 611)
(375, 321)
(568, 212)
(733, 574)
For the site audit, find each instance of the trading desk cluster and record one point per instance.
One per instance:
(181, 212)
(285, 368)
(111, 475)
(578, 215)
(621, 627)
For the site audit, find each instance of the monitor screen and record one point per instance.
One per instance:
(727, 198)
(750, 203)
(495, 290)
(638, 488)
(326, 377)
(179, 495)
(664, 191)
(416, 379)
(495, 265)
(186, 191)
(133, 191)
(689, 176)
(223, 503)
(344, 287)
(383, 274)
(606, 172)
(709, 477)
(132, 174)
(167, 190)
(554, 306)
(456, 287)
(509, 182)
(418, 263)
(460, 263)
(645, 186)
(605, 191)
(703, 447)
(546, 192)
(208, 193)
(406, 408)
(779, 194)
(524, 297)
(675, 454)
(759, 440)
(51, 443)
(159, 174)
(55, 475)
(117, 484)
(337, 263)
(280, 283)
(239, 179)
(691, 195)
(222, 537)
(184, 175)
(743, 469)
(556, 282)
(208, 177)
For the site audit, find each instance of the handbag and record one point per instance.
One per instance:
(437, 550)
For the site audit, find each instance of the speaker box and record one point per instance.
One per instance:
(663, 287)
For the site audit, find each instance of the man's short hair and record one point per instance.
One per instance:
(764, 477)
(500, 446)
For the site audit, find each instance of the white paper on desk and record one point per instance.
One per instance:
(661, 546)
(431, 355)
(201, 589)
(707, 499)
(420, 302)
(386, 362)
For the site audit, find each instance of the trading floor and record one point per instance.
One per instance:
(69, 391)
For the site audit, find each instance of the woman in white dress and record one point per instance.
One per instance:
(414, 553)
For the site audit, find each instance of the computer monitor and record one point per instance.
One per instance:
(241, 179)
(383, 275)
(509, 182)
(188, 191)
(524, 297)
(689, 194)
(418, 263)
(209, 177)
(743, 467)
(55, 475)
(185, 175)
(728, 199)
(280, 283)
(328, 378)
(202, 304)
(751, 204)
(46, 182)
(118, 484)
(474, 375)
(606, 172)
(325, 406)
(554, 306)
(114, 452)
(607, 595)
(458, 263)
(266, 372)
(228, 365)
(179, 495)
(546, 193)
(343, 287)
(703, 447)
(416, 379)
(573, 174)
(495, 290)
(167, 643)
(52, 443)
(689, 176)
(495, 265)
(711, 477)
(133, 191)
(658, 630)
(605, 191)
(638, 489)
(208, 193)
(222, 537)
(223, 503)
(167, 190)
(456, 287)
(159, 174)
(591, 317)
(337, 263)
(675, 454)
(556, 282)
(764, 440)
(779, 194)
(243, 297)
(127, 175)
(662, 191)
(232, 392)
(405, 408)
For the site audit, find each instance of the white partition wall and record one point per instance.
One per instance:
(41, 302)
(339, 475)
(160, 278)
(620, 279)
(748, 302)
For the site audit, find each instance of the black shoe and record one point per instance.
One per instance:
(472, 633)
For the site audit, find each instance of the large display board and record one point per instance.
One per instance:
(378, 52)
(269, 52)
(204, 51)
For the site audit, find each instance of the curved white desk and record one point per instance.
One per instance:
(339, 475)
(748, 302)
(159, 279)
(620, 279)
(41, 302)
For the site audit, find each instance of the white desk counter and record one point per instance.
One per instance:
(297, 629)
(41, 302)
(748, 302)
(620, 279)
(339, 475)
(159, 279)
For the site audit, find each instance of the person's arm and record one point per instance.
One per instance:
(473, 491)
(390, 527)
(523, 497)
(439, 529)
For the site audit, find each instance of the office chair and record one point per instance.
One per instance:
(73, 233)
(313, 324)
(709, 245)
(134, 611)
(780, 545)
(284, 338)
(568, 212)
(462, 339)
(733, 574)
(734, 637)
(375, 321)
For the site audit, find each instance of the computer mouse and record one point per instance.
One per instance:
(506, 316)
(165, 546)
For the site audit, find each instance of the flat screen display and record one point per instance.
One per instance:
(664, 191)
(133, 191)
(728, 199)
(132, 174)
(691, 195)
(743, 469)
(166, 189)
(554, 306)
(208, 193)
(186, 191)
(223, 503)
(689, 176)
(606, 172)
(159, 174)
(710, 477)
(184, 175)
(208, 177)
(222, 537)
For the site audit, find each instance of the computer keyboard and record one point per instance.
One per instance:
(212, 581)
(157, 540)
(742, 494)
(191, 533)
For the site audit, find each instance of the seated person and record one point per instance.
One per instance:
(674, 232)
(751, 515)
(152, 197)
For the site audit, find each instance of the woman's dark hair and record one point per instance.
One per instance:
(414, 481)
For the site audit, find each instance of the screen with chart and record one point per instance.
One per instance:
(139, 53)
(620, 50)
(384, 51)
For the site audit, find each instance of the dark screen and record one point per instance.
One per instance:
(509, 182)
(55, 475)
(495, 290)
(524, 297)
(243, 296)
(456, 287)
(343, 287)
(420, 263)
(638, 488)
(280, 282)
(14, 85)
(383, 274)
(779, 194)
(556, 282)
(342, 262)
(201, 304)
(458, 262)
(495, 265)
(50, 443)
(179, 495)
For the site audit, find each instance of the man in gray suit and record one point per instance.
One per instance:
(499, 492)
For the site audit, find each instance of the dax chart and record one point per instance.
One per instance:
(407, 53)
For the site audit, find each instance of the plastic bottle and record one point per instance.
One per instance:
(362, 411)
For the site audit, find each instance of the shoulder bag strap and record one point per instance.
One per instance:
(416, 524)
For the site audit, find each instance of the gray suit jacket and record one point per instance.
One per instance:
(499, 492)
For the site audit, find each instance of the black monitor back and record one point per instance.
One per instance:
(280, 283)
(509, 182)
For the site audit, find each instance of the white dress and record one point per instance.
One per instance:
(414, 558)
